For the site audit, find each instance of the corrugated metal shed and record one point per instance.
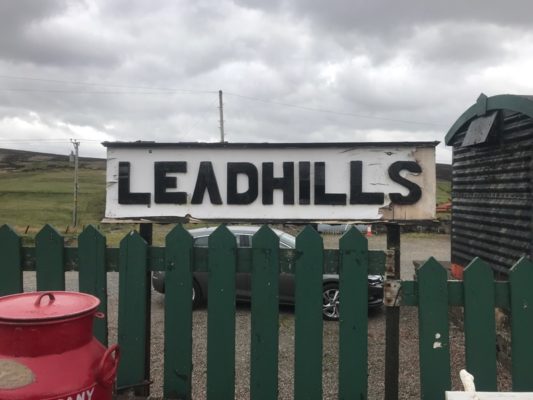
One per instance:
(492, 181)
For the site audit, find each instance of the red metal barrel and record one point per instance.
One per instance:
(47, 348)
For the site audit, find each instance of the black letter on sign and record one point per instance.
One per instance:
(286, 183)
(321, 197)
(304, 175)
(124, 194)
(357, 196)
(162, 182)
(206, 180)
(414, 190)
(248, 169)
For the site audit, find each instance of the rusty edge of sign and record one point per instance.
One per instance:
(264, 145)
(191, 220)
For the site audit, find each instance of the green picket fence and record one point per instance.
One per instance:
(479, 294)
(134, 260)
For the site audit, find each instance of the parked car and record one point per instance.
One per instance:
(243, 236)
(340, 228)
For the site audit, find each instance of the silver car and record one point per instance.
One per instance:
(243, 236)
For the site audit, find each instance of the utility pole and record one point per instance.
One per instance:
(221, 108)
(76, 144)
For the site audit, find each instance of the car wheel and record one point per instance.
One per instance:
(197, 297)
(330, 301)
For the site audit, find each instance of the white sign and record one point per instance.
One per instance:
(271, 182)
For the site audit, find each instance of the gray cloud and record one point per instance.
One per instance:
(387, 70)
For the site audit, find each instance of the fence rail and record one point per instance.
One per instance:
(431, 292)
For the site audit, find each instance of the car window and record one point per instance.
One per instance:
(201, 241)
(244, 241)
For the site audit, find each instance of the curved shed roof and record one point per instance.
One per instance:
(484, 104)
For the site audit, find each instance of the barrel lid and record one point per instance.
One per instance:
(43, 306)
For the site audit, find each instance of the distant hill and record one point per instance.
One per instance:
(21, 160)
(444, 172)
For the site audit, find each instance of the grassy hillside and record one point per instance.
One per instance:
(38, 188)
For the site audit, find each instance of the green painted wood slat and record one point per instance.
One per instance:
(221, 315)
(156, 257)
(480, 325)
(265, 315)
(521, 279)
(132, 313)
(178, 315)
(353, 330)
(93, 275)
(433, 330)
(308, 316)
(409, 294)
(49, 261)
(10, 261)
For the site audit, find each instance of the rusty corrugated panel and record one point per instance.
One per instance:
(492, 195)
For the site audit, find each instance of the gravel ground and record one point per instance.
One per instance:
(413, 247)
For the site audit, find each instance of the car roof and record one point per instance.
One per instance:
(240, 229)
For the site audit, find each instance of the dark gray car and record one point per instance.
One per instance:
(243, 236)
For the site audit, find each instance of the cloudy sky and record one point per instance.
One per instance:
(290, 70)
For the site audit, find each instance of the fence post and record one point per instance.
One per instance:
(132, 313)
(146, 231)
(221, 315)
(308, 320)
(434, 341)
(392, 327)
(353, 329)
(10, 262)
(265, 315)
(178, 314)
(93, 274)
(480, 325)
(49, 247)
(521, 279)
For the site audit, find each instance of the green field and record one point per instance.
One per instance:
(444, 191)
(46, 196)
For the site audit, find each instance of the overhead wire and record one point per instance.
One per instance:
(170, 91)
(82, 83)
(346, 114)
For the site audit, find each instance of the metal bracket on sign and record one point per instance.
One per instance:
(389, 264)
(392, 293)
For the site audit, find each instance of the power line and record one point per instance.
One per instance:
(45, 140)
(346, 114)
(89, 91)
(170, 91)
(107, 85)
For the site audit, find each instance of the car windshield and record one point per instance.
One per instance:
(201, 237)
(288, 240)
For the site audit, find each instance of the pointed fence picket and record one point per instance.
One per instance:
(433, 330)
(308, 316)
(353, 329)
(132, 312)
(49, 246)
(521, 279)
(221, 315)
(93, 275)
(480, 325)
(11, 262)
(178, 315)
(479, 294)
(265, 316)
